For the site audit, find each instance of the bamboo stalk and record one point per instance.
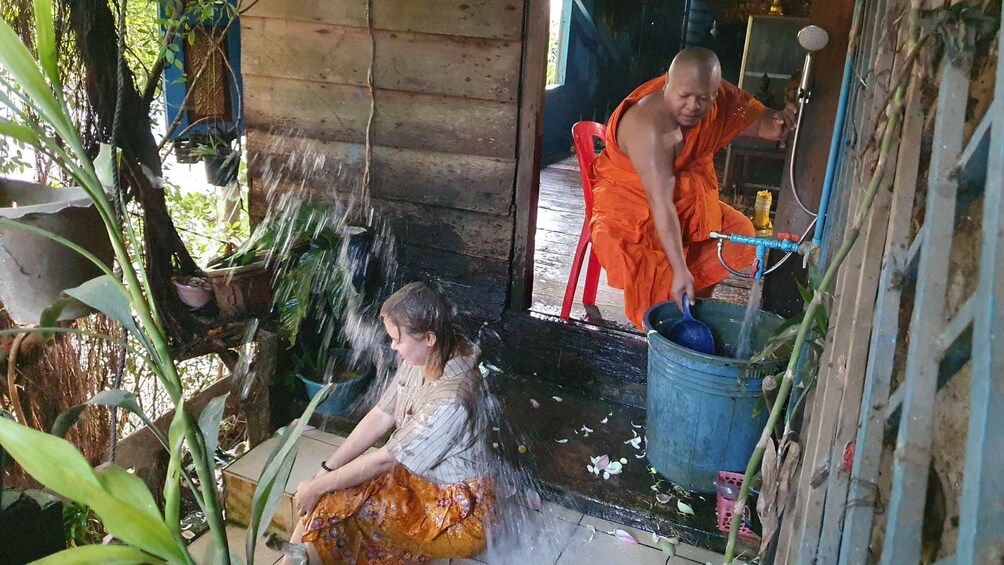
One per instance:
(893, 114)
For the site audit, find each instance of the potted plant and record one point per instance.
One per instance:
(218, 158)
(322, 269)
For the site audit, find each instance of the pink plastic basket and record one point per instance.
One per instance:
(725, 507)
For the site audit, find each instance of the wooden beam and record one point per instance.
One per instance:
(863, 488)
(499, 19)
(404, 120)
(981, 538)
(912, 456)
(533, 74)
(432, 64)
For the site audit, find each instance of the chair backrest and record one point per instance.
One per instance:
(584, 135)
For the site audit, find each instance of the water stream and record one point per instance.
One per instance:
(519, 534)
(744, 344)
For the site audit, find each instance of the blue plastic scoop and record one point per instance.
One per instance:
(691, 333)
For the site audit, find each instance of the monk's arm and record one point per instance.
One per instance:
(772, 125)
(652, 157)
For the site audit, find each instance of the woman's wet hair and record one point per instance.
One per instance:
(418, 308)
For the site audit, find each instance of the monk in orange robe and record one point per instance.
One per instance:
(655, 189)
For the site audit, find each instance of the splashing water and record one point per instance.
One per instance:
(746, 330)
(518, 534)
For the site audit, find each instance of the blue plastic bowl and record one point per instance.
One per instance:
(341, 400)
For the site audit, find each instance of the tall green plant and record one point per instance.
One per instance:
(122, 501)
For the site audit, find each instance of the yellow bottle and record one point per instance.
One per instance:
(761, 214)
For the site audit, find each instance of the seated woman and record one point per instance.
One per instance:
(424, 494)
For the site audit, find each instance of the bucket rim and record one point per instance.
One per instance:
(747, 366)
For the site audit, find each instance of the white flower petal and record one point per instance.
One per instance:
(624, 536)
(604, 420)
(556, 398)
(534, 403)
(663, 498)
(606, 475)
(684, 508)
(623, 461)
(533, 500)
(561, 440)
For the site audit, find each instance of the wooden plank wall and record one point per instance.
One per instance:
(446, 76)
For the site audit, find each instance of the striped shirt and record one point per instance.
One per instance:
(438, 436)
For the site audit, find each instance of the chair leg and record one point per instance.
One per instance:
(573, 276)
(592, 279)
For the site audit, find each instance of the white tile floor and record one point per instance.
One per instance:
(582, 539)
(572, 537)
(588, 539)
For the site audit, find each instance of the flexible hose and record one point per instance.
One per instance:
(794, 151)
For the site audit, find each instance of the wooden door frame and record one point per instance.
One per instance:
(532, 78)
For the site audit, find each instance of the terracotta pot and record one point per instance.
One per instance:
(243, 290)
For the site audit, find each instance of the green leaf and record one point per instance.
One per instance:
(104, 166)
(50, 316)
(111, 397)
(58, 465)
(21, 65)
(125, 486)
(20, 132)
(102, 293)
(209, 423)
(172, 484)
(45, 40)
(804, 292)
(104, 554)
(275, 475)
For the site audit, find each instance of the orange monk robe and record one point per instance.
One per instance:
(624, 236)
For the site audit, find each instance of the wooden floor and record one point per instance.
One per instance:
(560, 213)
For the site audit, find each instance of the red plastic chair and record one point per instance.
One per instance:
(584, 135)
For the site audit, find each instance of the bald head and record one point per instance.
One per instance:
(692, 83)
(696, 61)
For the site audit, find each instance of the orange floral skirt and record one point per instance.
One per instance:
(400, 518)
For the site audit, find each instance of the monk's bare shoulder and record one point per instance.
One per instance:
(648, 126)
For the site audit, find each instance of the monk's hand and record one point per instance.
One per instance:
(683, 284)
(776, 125)
(308, 492)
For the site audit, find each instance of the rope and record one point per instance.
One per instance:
(119, 202)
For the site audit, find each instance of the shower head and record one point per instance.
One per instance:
(813, 38)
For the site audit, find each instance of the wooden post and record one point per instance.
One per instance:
(531, 122)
